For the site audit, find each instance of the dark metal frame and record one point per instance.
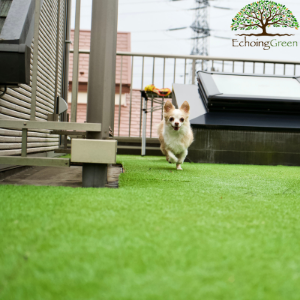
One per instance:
(214, 100)
(15, 43)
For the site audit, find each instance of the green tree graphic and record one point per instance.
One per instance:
(264, 14)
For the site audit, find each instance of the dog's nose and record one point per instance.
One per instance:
(176, 124)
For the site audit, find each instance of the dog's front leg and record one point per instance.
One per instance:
(181, 158)
(172, 157)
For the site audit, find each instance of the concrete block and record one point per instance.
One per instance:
(94, 151)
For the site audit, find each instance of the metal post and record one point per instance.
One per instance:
(130, 105)
(57, 54)
(194, 71)
(142, 87)
(162, 107)
(153, 70)
(120, 95)
(164, 72)
(75, 63)
(67, 50)
(35, 58)
(94, 175)
(185, 71)
(151, 118)
(101, 86)
(174, 76)
(144, 127)
(24, 142)
(65, 141)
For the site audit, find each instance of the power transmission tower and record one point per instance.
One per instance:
(201, 30)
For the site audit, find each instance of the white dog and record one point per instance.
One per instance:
(175, 133)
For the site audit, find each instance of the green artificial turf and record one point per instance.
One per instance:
(209, 232)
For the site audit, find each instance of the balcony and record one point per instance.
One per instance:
(136, 70)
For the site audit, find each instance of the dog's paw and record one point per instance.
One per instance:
(178, 167)
(173, 160)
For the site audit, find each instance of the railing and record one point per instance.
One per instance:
(164, 70)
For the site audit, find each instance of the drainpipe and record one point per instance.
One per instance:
(65, 85)
(101, 85)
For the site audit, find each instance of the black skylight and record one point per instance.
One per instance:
(249, 93)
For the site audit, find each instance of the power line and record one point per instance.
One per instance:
(160, 40)
(173, 29)
(222, 37)
(172, 39)
(153, 11)
(179, 28)
(141, 2)
(147, 2)
(220, 7)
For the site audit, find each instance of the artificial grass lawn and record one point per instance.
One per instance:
(209, 232)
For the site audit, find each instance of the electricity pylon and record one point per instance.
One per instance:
(201, 30)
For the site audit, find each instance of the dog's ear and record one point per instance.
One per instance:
(185, 107)
(168, 106)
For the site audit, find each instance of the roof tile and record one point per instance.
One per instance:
(123, 45)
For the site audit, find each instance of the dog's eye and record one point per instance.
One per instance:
(171, 119)
(181, 120)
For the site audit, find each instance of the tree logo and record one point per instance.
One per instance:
(262, 15)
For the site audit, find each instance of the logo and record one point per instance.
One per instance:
(262, 15)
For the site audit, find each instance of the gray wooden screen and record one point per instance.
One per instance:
(16, 103)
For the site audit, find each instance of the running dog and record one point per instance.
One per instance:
(175, 133)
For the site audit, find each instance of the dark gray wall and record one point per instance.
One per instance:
(245, 147)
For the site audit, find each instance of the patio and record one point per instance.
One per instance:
(209, 232)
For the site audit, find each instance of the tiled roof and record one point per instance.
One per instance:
(123, 44)
(125, 111)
